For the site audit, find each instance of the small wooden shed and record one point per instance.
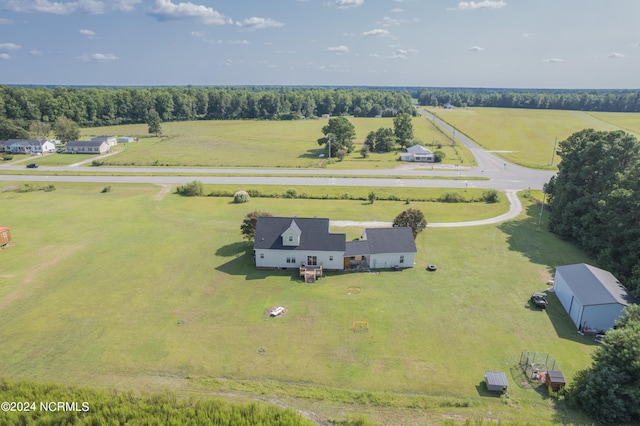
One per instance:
(496, 381)
(5, 236)
(555, 380)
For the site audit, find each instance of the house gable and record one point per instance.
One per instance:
(291, 235)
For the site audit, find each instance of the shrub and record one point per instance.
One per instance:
(372, 197)
(106, 189)
(439, 156)
(192, 189)
(291, 193)
(451, 197)
(241, 197)
(490, 196)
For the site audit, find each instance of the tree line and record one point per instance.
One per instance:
(100, 106)
(595, 200)
(579, 100)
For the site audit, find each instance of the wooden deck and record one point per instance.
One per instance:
(310, 273)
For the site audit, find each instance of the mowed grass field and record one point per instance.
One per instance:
(252, 143)
(527, 136)
(130, 288)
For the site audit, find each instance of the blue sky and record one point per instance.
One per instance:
(429, 43)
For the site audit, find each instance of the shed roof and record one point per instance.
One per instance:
(390, 240)
(90, 143)
(594, 286)
(314, 234)
(496, 378)
(556, 376)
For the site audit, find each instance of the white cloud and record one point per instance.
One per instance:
(5, 56)
(343, 4)
(204, 38)
(376, 33)
(616, 55)
(553, 60)
(396, 56)
(10, 46)
(476, 49)
(528, 35)
(165, 10)
(338, 49)
(254, 23)
(397, 10)
(88, 33)
(98, 57)
(4, 21)
(65, 8)
(36, 52)
(484, 4)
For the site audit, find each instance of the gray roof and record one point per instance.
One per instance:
(390, 240)
(594, 286)
(91, 143)
(495, 378)
(102, 138)
(25, 142)
(314, 234)
(357, 248)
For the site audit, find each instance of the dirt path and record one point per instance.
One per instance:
(164, 190)
(515, 208)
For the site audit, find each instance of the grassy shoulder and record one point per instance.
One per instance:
(139, 284)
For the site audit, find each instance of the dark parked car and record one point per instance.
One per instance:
(539, 300)
(32, 166)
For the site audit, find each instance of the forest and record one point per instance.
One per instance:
(103, 106)
(577, 100)
(92, 106)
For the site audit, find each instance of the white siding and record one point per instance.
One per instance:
(601, 317)
(389, 260)
(278, 258)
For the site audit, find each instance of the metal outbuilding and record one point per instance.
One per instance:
(496, 381)
(593, 297)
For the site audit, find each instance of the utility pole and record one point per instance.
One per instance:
(553, 154)
(541, 208)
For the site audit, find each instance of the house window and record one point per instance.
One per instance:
(261, 255)
(402, 259)
(291, 259)
(290, 238)
(330, 257)
(312, 260)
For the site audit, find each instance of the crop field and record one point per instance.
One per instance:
(251, 143)
(137, 287)
(527, 136)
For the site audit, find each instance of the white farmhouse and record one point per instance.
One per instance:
(418, 153)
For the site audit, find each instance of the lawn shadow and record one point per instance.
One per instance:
(312, 153)
(482, 390)
(232, 249)
(243, 265)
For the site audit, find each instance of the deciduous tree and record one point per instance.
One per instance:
(341, 132)
(154, 122)
(413, 218)
(403, 129)
(609, 391)
(248, 227)
(66, 129)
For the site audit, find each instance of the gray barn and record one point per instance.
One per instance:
(593, 297)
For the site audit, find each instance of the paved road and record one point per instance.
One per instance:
(502, 175)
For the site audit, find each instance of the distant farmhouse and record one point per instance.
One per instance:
(29, 146)
(593, 297)
(294, 242)
(418, 153)
(97, 145)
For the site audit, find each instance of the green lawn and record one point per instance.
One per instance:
(252, 143)
(527, 136)
(127, 289)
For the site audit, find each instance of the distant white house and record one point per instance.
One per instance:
(126, 139)
(88, 147)
(111, 140)
(418, 153)
(29, 146)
